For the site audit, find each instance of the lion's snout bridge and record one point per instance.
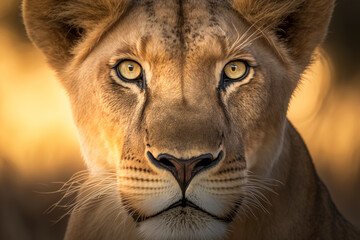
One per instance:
(184, 138)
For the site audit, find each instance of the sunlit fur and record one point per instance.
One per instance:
(264, 187)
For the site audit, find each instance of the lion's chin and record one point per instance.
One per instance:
(183, 223)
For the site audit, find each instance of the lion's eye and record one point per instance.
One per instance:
(236, 71)
(129, 70)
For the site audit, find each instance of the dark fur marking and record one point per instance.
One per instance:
(233, 169)
(149, 8)
(138, 169)
(222, 106)
(142, 114)
(213, 9)
(136, 179)
(182, 46)
(226, 179)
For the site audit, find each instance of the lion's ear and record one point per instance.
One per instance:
(57, 26)
(300, 24)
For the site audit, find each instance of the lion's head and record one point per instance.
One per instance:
(183, 102)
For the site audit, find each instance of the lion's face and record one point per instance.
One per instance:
(183, 101)
(183, 135)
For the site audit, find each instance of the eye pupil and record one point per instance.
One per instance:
(131, 68)
(233, 68)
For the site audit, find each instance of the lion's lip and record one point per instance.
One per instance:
(183, 204)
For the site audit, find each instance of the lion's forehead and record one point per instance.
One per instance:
(182, 25)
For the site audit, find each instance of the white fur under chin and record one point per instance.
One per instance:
(183, 224)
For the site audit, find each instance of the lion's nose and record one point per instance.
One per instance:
(184, 170)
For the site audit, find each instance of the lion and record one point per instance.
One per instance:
(180, 107)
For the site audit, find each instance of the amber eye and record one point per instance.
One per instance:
(236, 70)
(129, 70)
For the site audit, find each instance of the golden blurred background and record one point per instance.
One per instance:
(39, 147)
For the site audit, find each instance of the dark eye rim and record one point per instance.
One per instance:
(136, 80)
(225, 80)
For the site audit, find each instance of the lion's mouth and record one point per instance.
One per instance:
(182, 204)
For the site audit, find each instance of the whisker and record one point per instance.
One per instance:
(91, 188)
(254, 196)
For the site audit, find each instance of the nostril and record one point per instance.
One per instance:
(207, 162)
(166, 162)
(203, 163)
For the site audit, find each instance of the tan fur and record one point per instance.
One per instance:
(265, 185)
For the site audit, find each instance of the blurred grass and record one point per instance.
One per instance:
(38, 143)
